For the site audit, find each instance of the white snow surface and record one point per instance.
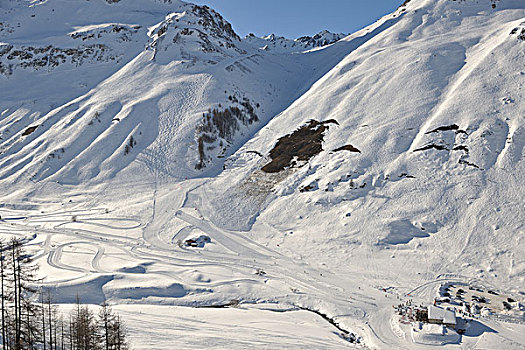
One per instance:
(101, 116)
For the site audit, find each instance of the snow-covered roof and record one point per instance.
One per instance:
(438, 313)
(450, 317)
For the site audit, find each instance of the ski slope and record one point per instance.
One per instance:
(110, 161)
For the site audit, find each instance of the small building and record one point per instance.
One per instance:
(475, 309)
(465, 308)
(438, 315)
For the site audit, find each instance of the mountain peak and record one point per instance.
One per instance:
(277, 43)
(192, 32)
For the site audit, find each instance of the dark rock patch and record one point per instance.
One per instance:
(453, 127)
(405, 3)
(461, 148)
(30, 130)
(311, 187)
(466, 162)
(255, 152)
(303, 144)
(432, 146)
(347, 148)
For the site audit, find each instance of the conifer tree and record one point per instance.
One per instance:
(30, 320)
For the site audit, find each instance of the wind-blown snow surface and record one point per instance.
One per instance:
(106, 158)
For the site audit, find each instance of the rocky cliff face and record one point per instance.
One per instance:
(195, 31)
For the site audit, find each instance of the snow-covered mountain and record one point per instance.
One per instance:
(339, 174)
(184, 71)
(282, 44)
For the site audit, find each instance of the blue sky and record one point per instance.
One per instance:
(294, 18)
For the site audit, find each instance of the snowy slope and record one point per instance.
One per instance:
(340, 179)
(120, 84)
(441, 126)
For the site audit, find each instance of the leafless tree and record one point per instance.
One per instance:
(112, 329)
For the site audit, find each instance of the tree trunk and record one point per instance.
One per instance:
(17, 331)
(70, 333)
(3, 297)
(29, 341)
(50, 323)
(118, 331)
(43, 320)
(19, 298)
(106, 325)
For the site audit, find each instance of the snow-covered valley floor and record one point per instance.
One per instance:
(109, 245)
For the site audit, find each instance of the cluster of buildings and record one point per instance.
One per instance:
(432, 314)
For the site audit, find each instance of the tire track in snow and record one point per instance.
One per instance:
(246, 256)
(54, 259)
